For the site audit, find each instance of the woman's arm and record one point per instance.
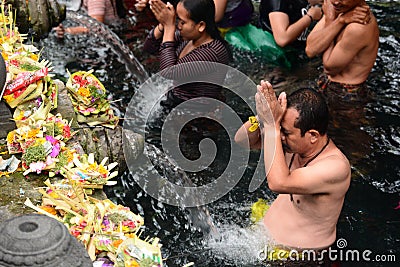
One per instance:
(153, 41)
(285, 33)
(164, 31)
(220, 7)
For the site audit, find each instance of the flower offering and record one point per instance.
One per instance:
(89, 99)
(88, 172)
(103, 227)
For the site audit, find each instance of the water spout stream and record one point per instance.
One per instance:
(133, 66)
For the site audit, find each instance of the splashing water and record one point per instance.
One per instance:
(238, 245)
(199, 217)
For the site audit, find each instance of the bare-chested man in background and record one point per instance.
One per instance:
(348, 38)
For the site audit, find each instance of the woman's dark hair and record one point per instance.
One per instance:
(203, 10)
(312, 108)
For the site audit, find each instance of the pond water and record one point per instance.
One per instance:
(370, 218)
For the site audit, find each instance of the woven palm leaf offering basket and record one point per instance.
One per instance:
(89, 98)
(110, 232)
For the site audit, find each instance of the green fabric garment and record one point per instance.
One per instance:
(251, 38)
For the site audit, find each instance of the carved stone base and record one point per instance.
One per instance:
(40, 241)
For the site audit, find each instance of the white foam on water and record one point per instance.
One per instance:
(239, 245)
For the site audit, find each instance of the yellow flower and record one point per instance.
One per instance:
(71, 155)
(33, 133)
(8, 98)
(92, 167)
(40, 141)
(5, 55)
(116, 243)
(34, 56)
(131, 263)
(49, 209)
(102, 170)
(20, 116)
(10, 137)
(130, 235)
(84, 91)
(54, 195)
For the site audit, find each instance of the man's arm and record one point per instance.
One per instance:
(321, 177)
(270, 112)
(339, 56)
(245, 138)
(329, 27)
(322, 36)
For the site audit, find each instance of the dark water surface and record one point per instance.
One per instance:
(369, 219)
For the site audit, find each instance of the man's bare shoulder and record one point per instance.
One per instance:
(333, 163)
(337, 166)
(357, 30)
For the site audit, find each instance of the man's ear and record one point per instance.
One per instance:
(202, 26)
(314, 135)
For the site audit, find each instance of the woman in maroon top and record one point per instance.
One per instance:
(188, 35)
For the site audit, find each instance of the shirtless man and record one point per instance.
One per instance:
(348, 38)
(308, 171)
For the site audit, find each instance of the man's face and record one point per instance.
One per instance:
(292, 140)
(186, 26)
(342, 6)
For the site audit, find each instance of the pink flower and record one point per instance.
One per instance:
(104, 241)
(49, 160)
(55, 151)
(37, 166)
(51, 139)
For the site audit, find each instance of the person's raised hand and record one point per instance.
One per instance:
(141, 5)
(60, 31)
(315, 12)
(329, 11)
(360, 14)
(164, 13)
(270, 110)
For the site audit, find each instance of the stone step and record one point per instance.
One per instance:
(6, 124)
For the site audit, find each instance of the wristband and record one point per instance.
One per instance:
(254, 124)
(312, 20)
(158, 27)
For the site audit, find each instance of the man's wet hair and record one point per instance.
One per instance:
(312, 108)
